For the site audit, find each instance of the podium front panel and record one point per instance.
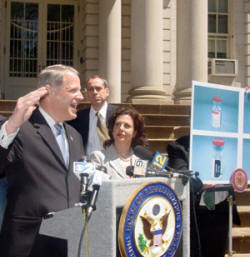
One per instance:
(102, 227)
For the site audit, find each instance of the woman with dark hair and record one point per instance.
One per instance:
(126, 130)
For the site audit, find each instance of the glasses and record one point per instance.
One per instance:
(97, 89)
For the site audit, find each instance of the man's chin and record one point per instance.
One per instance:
(98, 101)
(72, 116)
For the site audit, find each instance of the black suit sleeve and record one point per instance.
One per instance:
(3, 152)
(178, 154)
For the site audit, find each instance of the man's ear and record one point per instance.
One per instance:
(107, 91)
(49, 88)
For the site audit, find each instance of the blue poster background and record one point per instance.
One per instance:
(234, 131)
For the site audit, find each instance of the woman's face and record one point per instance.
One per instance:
(123, 130)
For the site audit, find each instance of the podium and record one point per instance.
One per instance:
(102, 227)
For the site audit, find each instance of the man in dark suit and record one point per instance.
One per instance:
(38, 168)
(97, 92)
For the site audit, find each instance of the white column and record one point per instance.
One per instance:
(192, 46)
(147, 51)
(110, 46)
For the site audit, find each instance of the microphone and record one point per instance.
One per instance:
(159, 161)
(130, 171)
(83, 166)
(97, 182)
(145, 154)
(84, 187)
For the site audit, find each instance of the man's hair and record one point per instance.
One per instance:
(54, 75)
(105, 82)
(139, 126)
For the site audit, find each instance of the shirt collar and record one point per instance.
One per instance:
(48, 118)
(102, 111)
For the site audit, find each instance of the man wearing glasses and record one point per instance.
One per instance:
(86, 123)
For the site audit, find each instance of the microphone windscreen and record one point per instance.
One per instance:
(83, 167)
(143, 153)
(130, 171)
(97, 178)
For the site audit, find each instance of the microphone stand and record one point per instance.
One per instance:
(84, 203)
(88, 201)
(184, 174)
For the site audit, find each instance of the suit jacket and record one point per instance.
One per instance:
(81, 123)
(38, 182)
(111, 160)
(2, 120)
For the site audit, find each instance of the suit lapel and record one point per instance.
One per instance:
(71, 143)
(109, 112)
(44, 130)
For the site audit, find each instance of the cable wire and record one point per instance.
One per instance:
(84, 231)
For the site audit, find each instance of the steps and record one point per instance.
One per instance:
(241, 235)
(6, 107)
(160, 135)
(164, 123)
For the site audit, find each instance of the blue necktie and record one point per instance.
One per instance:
(61, 142)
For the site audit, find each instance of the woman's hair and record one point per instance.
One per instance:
(140, 137)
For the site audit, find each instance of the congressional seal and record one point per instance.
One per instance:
(151, 222)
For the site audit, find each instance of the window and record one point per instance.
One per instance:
(60, 34)
(24, 47)
(23, 39)
(218, 29)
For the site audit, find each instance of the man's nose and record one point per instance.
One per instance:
(80, 96)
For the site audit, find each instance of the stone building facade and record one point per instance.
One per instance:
(149, 50)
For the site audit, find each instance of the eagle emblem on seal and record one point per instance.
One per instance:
(153, 238)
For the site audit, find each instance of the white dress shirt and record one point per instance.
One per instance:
(52, 123)
(6, 140)
(93, 138)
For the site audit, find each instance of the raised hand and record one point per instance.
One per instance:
(24, 108)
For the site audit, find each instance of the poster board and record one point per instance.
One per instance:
(220, 131)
